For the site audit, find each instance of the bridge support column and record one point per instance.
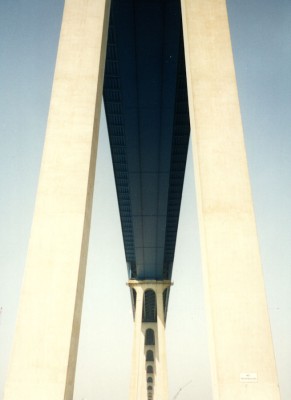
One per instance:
(46, 341)
(241, 349)
(161, 356)
(137, 384)
(149, 334)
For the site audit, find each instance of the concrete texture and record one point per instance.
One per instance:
(138, 388)
(242, 357)
(46, 340)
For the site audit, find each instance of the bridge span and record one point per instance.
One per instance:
(161, 65)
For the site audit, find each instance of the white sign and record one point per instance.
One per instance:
(248, 377)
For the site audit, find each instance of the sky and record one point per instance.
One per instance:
(261, 39)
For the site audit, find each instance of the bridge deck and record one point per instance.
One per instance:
(145, 96)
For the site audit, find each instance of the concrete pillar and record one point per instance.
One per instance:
(162, 380)
(138, 390)
(241, 349)
(137, 385)
(43, 362)
(143, 367)
(144, 384)
(153, 348)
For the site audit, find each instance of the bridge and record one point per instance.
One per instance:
(159, 64)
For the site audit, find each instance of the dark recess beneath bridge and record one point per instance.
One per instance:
(146, 105)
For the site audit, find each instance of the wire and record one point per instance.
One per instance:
(181, 388)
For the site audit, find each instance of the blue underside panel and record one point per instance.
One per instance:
(146, 105)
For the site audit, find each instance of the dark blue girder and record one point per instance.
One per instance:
(146, 105)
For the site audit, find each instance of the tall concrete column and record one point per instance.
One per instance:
(162, 391)
(46, 341)
(143, 364)
(137, 384)
(241, 349)
(152, 347)
(138, 390)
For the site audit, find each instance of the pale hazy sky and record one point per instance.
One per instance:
(261, 36)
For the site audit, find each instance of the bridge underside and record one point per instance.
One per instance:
(145, 96)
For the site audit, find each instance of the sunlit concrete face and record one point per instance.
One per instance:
(241, 349)
(47, 332)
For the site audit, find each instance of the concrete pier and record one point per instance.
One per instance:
(149, 378)
(242, 356)
(46, 340)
